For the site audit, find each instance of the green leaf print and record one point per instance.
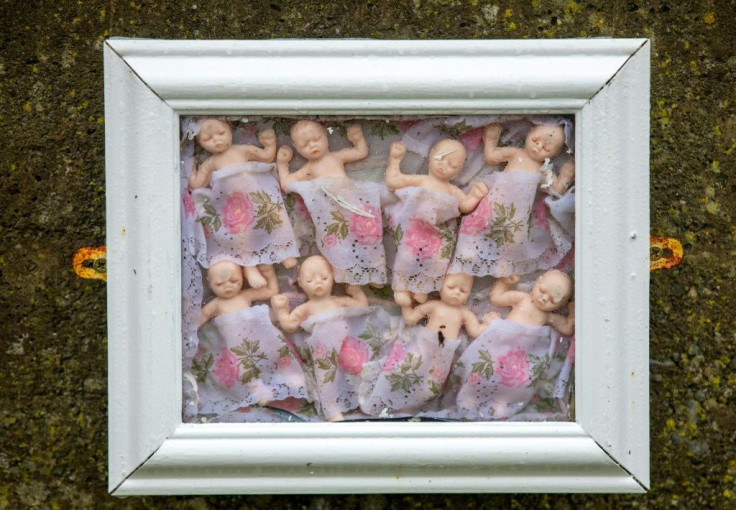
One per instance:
(540, 365)
(201, 367)
(339, 227)
(210, 219)
(329, 366)
(447, 233)
(504, 226)
(407, 376)
(249, 356)
(483, 367)
(372, 337)
(398, 234)
(268, 211)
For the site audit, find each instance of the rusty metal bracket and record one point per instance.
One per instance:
(664, 252)
(91, 263)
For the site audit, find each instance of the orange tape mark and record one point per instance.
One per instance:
(91, 263)
(664, 252)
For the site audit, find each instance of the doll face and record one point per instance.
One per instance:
(446, 159)
(309, 139)
(551, 291)
(225, 279)
(315, 277)
(215, 136)
(456, 289)
(544, 142)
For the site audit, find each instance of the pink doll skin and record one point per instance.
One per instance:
(316, 280)
(216, 137)
(225, 278)
(542, 142)
(310, 140)
(551, 292)
(446, 160)
(448, 314)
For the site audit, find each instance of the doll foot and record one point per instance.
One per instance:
(336, 417)
(254, 277)
(289, 262)
(402, 298)
(420, 297)
(264, 401)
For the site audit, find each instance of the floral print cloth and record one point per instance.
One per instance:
(501, 370)
(409, 375)
(350, 241)
(423, 226)
(337, 344)
(245, 360)
(243, 217)
(497, 237)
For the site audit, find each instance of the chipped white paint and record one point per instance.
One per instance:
(605, 83)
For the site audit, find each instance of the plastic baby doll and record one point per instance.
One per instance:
(243, 216)
(501, 368)
(421, 220)
(415, 369)
(346, 214)
(335, 327)
(251, 361)
(497, 238)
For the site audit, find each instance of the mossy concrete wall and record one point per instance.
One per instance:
(52, 332)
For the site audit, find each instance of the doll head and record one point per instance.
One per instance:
(544, 141)
(225, 278)
(446, 159)
(310, 139)
(456, 288)
(551, 291)
(215, 136)
(315, 277)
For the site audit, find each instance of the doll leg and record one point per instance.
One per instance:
(254, 277)
(289, 262)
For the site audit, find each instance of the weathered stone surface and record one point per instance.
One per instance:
(52, 335)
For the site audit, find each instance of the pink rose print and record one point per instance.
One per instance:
(226, 369)
(237, 213)
(189, 208)
(513, 368)
(301, 208)
(329, 241)
(476, 222)
(423, 239)
(394, 358)
(474, 378)
(438, 374)
(539, 213)
(353, 353)
(283, 362)
(472, 139)
(367, 230)
(207, 231)
(319, 351)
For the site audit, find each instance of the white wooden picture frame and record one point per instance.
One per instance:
(603, 82)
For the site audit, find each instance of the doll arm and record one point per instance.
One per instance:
(467, 203)
(283, 156)
(394, 178)
(269, 290)
(208, 311)
(492, 153)
(200, 177)
(356, 296)
(265, 154)
(359, 150)
(565, 325)
(565, 179)
(472, 326)
(413, 315)
(502, 296)
(289, 321)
